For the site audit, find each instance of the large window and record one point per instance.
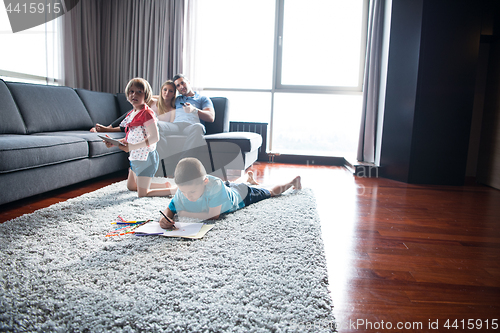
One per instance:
(294, 64)
(234, 44)
(31, 55)
(319, 44)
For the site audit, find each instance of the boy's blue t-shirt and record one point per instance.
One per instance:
(215, 194)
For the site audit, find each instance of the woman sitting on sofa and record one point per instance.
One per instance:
(163, 105)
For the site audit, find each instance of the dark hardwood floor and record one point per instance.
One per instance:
(29, 205)
(401, 258)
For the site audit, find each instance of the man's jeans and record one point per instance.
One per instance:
(194, 145)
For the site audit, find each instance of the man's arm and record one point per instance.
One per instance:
(207, 114)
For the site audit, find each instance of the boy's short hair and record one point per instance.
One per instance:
(189, 171)
(144, 85)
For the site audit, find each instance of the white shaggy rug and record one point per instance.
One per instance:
(260, 269)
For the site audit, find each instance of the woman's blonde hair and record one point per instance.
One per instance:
(162, 107)
(144, 85)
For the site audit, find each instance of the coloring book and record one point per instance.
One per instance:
(186, 230)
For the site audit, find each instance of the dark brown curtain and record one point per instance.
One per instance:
(106, 43)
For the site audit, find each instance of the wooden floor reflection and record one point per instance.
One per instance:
(405, 256)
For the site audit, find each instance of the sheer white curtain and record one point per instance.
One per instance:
(31, 55)
(372, 84)
(106, 43)
(190, 50)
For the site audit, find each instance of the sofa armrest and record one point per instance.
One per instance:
(221, 123)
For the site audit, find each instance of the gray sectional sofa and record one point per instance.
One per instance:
(45, 141)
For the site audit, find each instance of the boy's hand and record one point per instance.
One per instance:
(166, 222)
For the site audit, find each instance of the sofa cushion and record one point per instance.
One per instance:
(49, 108)
(102, 107)
(97, 147)
(21, 152)
(12, 122)
(247, 141)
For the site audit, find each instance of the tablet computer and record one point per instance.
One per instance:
(110, 140)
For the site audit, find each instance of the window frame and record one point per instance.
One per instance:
(50, 30)
(278, 58)
(277, 87)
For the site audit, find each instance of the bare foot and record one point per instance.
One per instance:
(102, 128)
(160, 186)
(250, 178)
(297, 184)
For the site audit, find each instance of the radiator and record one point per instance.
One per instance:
(260, 128)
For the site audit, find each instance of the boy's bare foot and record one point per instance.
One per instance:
(250, 178)
(297, 184)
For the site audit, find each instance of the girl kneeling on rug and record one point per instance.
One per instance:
(140, 142)
(204, 197)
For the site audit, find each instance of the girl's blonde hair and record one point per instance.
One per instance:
(144, 85)
(162, 107)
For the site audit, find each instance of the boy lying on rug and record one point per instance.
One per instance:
(204, 197)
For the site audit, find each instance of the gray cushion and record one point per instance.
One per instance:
(22, 184)
(12, 122)
(96, 145)
(21, 152)
(102, 107)
(49, 108)
(247, 141)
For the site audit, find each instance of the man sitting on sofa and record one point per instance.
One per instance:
(192, 110)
